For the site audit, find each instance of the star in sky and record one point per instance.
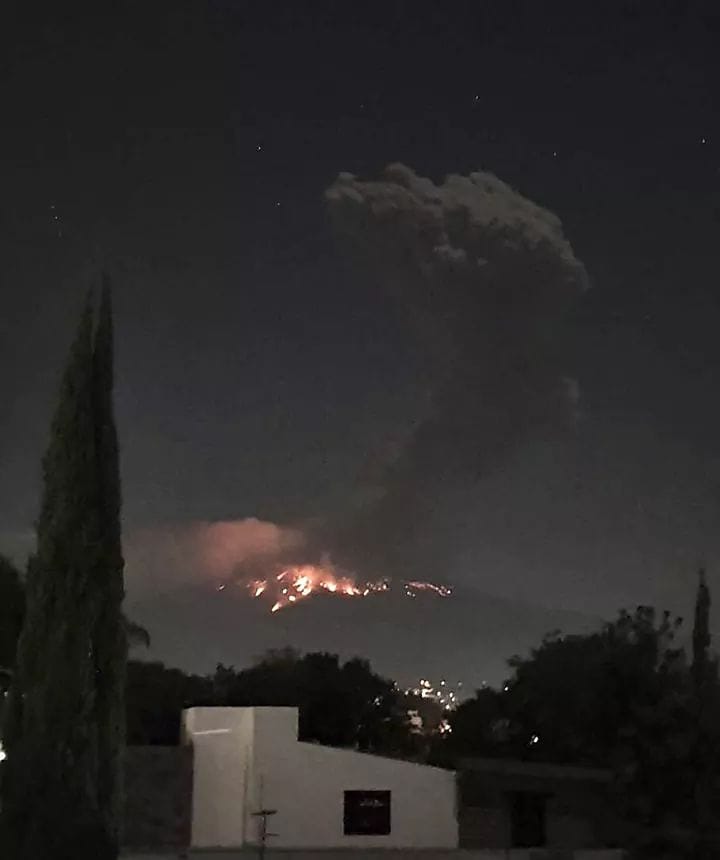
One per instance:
(56, 220)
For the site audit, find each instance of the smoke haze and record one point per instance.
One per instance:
(199, 552)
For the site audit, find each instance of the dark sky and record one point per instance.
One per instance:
(187, 145)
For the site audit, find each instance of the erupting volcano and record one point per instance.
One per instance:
(298, 582)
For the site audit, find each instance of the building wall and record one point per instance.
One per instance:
(397, 854)
(247, 759)
(490, 827)
(222, 740)
(422, 801)
(569, 831)
(483, 827)
(158, 789)
(577, 813)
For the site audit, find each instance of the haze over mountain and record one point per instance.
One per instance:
(459, 638)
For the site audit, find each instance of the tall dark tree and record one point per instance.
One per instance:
(701, 662)
(109, 639)
(705, 711)
(62, 732)
(12, 609)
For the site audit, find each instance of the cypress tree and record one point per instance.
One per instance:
(701, 634)
(12, 609)
(63, 727)
(110, 646)
(704, 753)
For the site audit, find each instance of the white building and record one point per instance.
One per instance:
(249, 759)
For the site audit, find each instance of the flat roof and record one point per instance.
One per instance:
(539, 770)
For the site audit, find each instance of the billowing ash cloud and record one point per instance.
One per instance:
(486, 277)
(165, 556)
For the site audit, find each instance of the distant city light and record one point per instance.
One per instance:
(440, 695)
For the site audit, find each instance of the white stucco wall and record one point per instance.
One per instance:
(222, 739)
(400, 854)
(252, 758)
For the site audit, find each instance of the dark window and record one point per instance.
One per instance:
(367, 813)
(527, 816)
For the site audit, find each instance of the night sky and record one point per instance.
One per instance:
(186, 147)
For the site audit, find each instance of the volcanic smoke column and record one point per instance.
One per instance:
(486, 277)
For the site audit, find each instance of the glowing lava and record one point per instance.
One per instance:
(301, 581)
(412, 588)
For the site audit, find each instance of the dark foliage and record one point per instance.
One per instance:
(109, 638)
(340, 704)
(12, 611)
(64, 716)
(155, 697)
(622, 698)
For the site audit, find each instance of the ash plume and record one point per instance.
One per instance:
(486, 278)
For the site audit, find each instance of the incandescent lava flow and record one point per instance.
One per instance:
(299, 582)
